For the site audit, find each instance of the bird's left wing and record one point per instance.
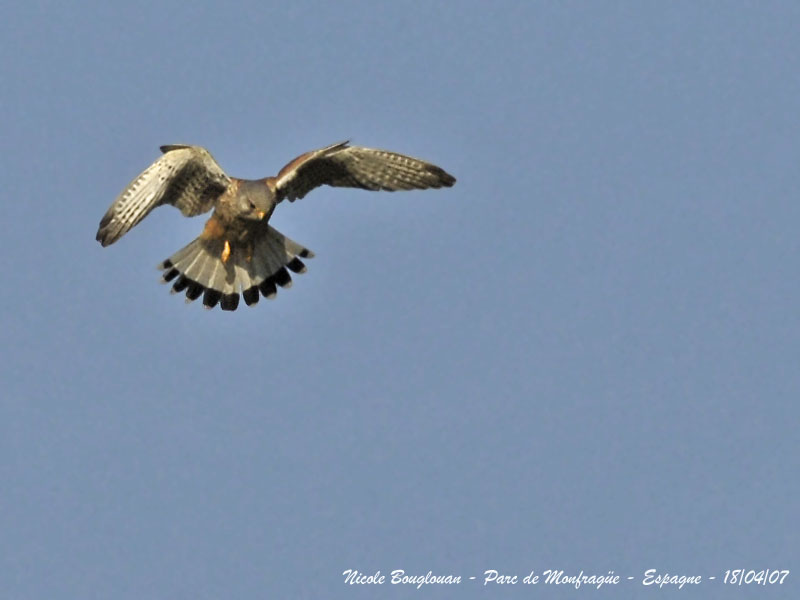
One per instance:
(341, 165)
(187, 177)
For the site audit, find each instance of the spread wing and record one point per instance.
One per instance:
(187, 177)
(341, 165)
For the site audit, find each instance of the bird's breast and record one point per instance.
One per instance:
(215, 228)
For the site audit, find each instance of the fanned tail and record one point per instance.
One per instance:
(257, 270)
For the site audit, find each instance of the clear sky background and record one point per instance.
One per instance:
(585, 355)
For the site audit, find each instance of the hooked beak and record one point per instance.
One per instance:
(261, 214)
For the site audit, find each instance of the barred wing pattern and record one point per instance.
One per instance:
(187, 177)
(341, 165)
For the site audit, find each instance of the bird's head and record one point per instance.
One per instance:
(255, 201)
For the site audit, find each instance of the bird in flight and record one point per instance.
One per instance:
(238, 251)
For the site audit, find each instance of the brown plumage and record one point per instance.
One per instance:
(238, 251)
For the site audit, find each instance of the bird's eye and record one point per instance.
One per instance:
(252, 206)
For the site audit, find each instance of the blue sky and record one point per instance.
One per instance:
(582, 356)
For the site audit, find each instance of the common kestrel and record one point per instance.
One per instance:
(238, 251)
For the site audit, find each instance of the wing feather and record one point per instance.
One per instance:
(341, 165)
(186, 177)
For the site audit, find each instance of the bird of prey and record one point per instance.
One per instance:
(238, 251)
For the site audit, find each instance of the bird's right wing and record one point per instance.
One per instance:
(187, 177)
